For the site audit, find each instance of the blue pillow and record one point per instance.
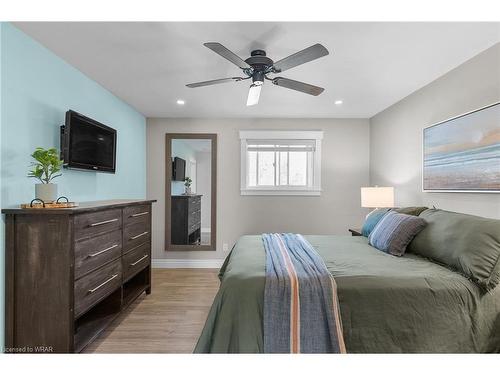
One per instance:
(372, 219)
(395, 231)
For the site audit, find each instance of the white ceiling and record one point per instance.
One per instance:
(370, 67)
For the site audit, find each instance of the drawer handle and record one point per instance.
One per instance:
(140, 214)
(139, 261)
(103, 222)
(104, 283)
(139, 235)
(102, 251)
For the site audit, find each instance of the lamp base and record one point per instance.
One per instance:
(369, 213)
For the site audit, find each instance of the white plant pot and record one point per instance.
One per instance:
(187, 190)
(46, 192)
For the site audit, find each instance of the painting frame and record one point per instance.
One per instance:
(423, 156)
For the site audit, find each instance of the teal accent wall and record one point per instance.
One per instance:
(183, 151)
(37, 88)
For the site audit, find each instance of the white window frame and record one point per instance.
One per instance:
(315, 135)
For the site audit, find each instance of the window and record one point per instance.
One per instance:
(280, 162)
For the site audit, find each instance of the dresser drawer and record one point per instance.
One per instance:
(194, 217)
(135, 235)
(194, 203)
(137, 214)
(193, 227)
(136, 260)
(93, 287)
(94, 252)
(92, 224)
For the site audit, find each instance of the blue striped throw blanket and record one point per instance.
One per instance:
(301, 308)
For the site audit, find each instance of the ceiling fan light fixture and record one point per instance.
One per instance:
(254, 94)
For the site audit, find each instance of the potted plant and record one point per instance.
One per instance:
(45, 169)
(187, 185)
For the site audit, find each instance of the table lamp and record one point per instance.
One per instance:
(377, 197)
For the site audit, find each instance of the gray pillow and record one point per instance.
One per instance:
(466, 243)
(415, 211)
(395, 231)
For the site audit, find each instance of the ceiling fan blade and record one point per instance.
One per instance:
(298, 86)
(214, 82)
(309, 54)
(227, 54)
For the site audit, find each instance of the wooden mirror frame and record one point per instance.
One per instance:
(169, 137)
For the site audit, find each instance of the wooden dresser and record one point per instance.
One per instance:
(186, 219)
(70, 272)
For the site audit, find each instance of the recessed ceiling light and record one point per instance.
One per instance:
(181, 102)
(339, 102)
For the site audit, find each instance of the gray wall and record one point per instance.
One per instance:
(396, 134)
(345, 168)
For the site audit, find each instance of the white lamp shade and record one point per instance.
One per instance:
(373, 197)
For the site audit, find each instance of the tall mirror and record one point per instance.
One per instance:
(191, 191)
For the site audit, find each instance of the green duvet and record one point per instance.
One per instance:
(388, 304)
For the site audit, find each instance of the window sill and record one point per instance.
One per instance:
(281, 192)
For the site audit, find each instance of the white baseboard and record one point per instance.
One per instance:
(187, 263)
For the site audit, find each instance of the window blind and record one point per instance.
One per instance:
(281, 145)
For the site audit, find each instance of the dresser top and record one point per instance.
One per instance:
(185, 196)
(83, 207)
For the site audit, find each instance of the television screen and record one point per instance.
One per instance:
(179, 169)
(88, 144)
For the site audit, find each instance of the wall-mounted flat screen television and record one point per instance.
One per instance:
(178, 169)
(87, 144)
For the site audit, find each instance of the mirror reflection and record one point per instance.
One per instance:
(191, 192)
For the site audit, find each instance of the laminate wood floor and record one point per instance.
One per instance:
(169, 320)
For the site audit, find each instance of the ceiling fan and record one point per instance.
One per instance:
(258, 66)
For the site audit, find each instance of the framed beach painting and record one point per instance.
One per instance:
(462, 154)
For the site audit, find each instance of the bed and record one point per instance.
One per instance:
(388, 304)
